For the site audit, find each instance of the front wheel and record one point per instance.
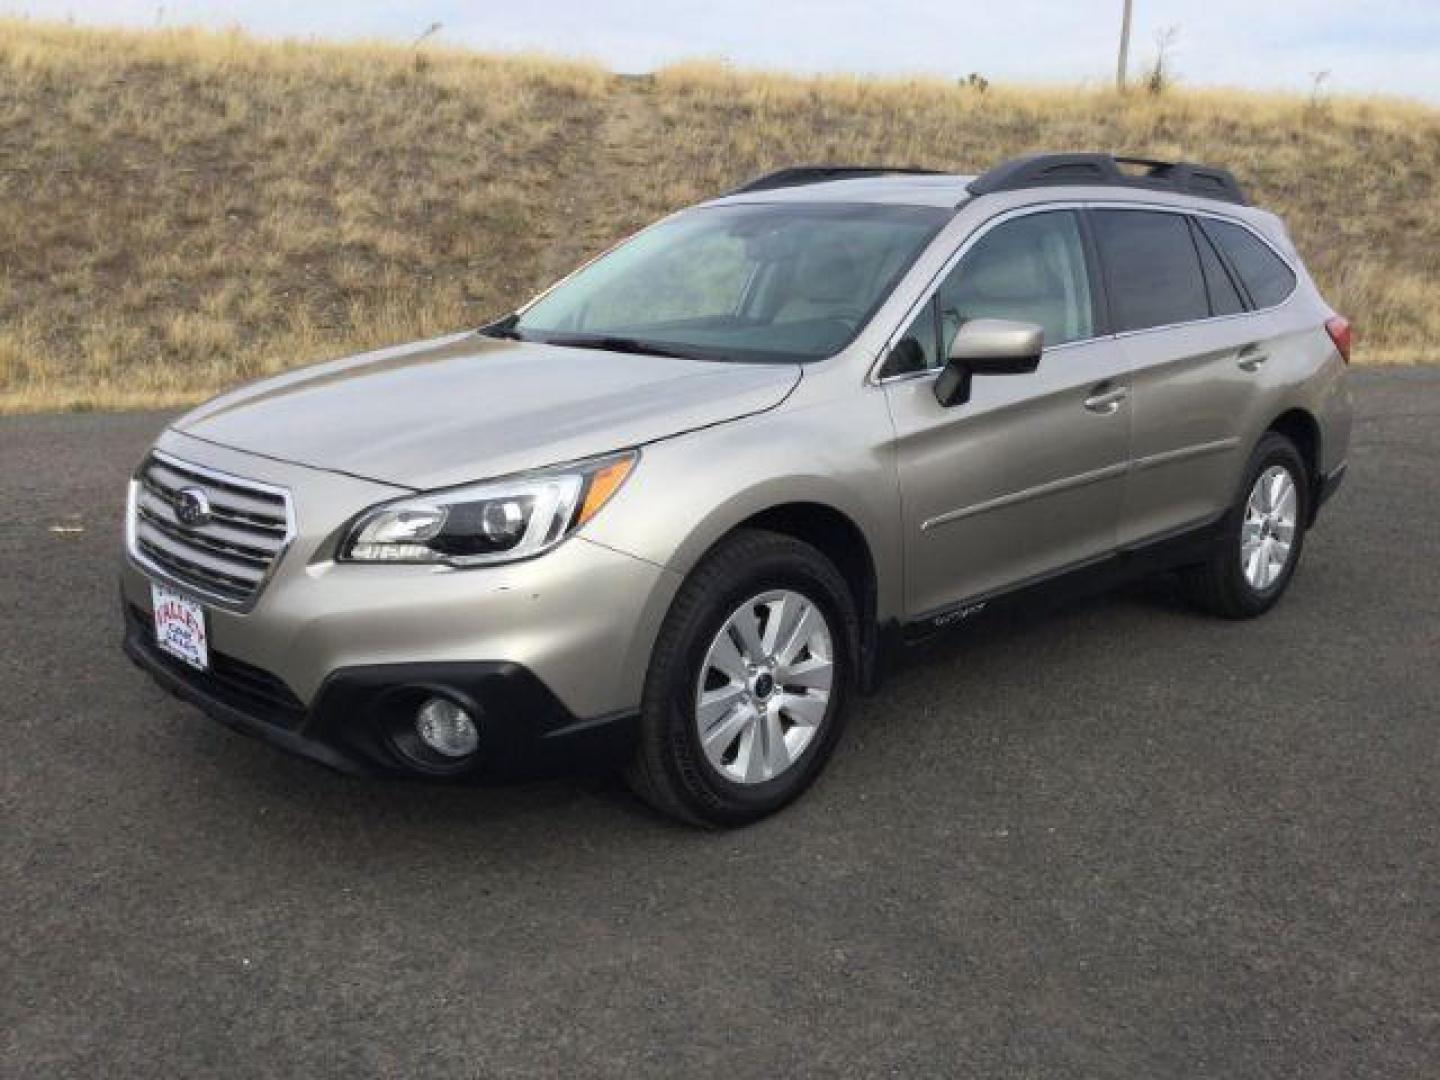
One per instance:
(1263, 535)
(747, 687)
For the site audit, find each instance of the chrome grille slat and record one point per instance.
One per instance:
(173, 530)
(195, 555)
(247, 541)
(227, 558)
(195, 474)
(223, 497)
(218, 586)
(265, 527)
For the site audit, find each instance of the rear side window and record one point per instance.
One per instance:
(1152, 268)
(1224, 297)
(1263, 273)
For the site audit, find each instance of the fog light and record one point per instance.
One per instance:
(446, 728)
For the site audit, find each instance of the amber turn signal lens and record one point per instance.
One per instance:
(604, 482)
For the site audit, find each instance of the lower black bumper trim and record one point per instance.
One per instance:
(247, 723)
(525, 731)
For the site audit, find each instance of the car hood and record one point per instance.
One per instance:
(468, 407)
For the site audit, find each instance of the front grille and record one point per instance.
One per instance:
(242, 686)
(226, 558)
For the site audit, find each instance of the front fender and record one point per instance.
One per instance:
(690, 491)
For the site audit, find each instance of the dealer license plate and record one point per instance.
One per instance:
(180, 627)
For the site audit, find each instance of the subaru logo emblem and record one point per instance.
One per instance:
(192, 507)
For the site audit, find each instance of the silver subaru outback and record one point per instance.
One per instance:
(676, 511)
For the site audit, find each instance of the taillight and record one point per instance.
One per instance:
(1340, 333)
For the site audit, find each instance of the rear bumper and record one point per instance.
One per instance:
(351, 725)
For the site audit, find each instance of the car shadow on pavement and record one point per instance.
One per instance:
(262, 773)
(969, 662)
(1043, 620)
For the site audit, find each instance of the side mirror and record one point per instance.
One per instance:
(987, 347)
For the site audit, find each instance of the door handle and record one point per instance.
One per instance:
(1105, 399)
(1251, 357)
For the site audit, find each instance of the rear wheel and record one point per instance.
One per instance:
(747, 687)
(1263, 535)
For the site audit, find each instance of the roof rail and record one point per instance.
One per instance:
(1048, 170)
(798, 175)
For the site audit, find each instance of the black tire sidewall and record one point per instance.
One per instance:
(1273, 450)
(784, 565)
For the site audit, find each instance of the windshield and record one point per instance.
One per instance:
(762, 281)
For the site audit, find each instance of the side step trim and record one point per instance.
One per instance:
(1164, 551)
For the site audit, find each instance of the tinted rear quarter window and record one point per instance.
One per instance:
(1152, 268)
(1263, 273)
(1224, 297)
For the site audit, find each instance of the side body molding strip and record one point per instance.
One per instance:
(1080, 480)
(1025, 494)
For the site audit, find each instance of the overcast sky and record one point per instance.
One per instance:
(1391, 46)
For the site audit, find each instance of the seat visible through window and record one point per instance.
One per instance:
(1031, 270)
(825, 279)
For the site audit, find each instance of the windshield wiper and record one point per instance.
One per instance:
(615, 343)
(504, 328)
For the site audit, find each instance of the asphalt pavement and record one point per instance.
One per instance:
(1119, 840)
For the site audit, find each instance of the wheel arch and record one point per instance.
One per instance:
(838, 536)
(1301, 428)
(834, 535)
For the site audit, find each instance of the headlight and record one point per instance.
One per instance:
(498, 521)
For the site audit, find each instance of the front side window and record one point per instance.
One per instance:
(1029, 269)
(753, 281)
(1264, 274)
(1152, 268)
(919, 348)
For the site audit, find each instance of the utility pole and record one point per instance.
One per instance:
(1123, 62)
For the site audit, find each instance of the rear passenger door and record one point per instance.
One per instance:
(1026, 477)
(1183, 324)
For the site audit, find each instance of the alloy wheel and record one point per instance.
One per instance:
(1267, 535)
(764, 687)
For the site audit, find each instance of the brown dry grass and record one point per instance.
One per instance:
(181, 210)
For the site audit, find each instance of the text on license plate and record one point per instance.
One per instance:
(180, 627)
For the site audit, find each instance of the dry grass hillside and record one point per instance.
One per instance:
(179, 211)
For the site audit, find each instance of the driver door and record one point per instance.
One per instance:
(1027, 477)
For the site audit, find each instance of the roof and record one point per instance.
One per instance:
(907, 185)
(946, 190)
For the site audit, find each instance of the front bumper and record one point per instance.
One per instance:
(548, 647)
(353, 723)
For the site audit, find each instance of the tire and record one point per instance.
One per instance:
(1227, 584)
(697, 780)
